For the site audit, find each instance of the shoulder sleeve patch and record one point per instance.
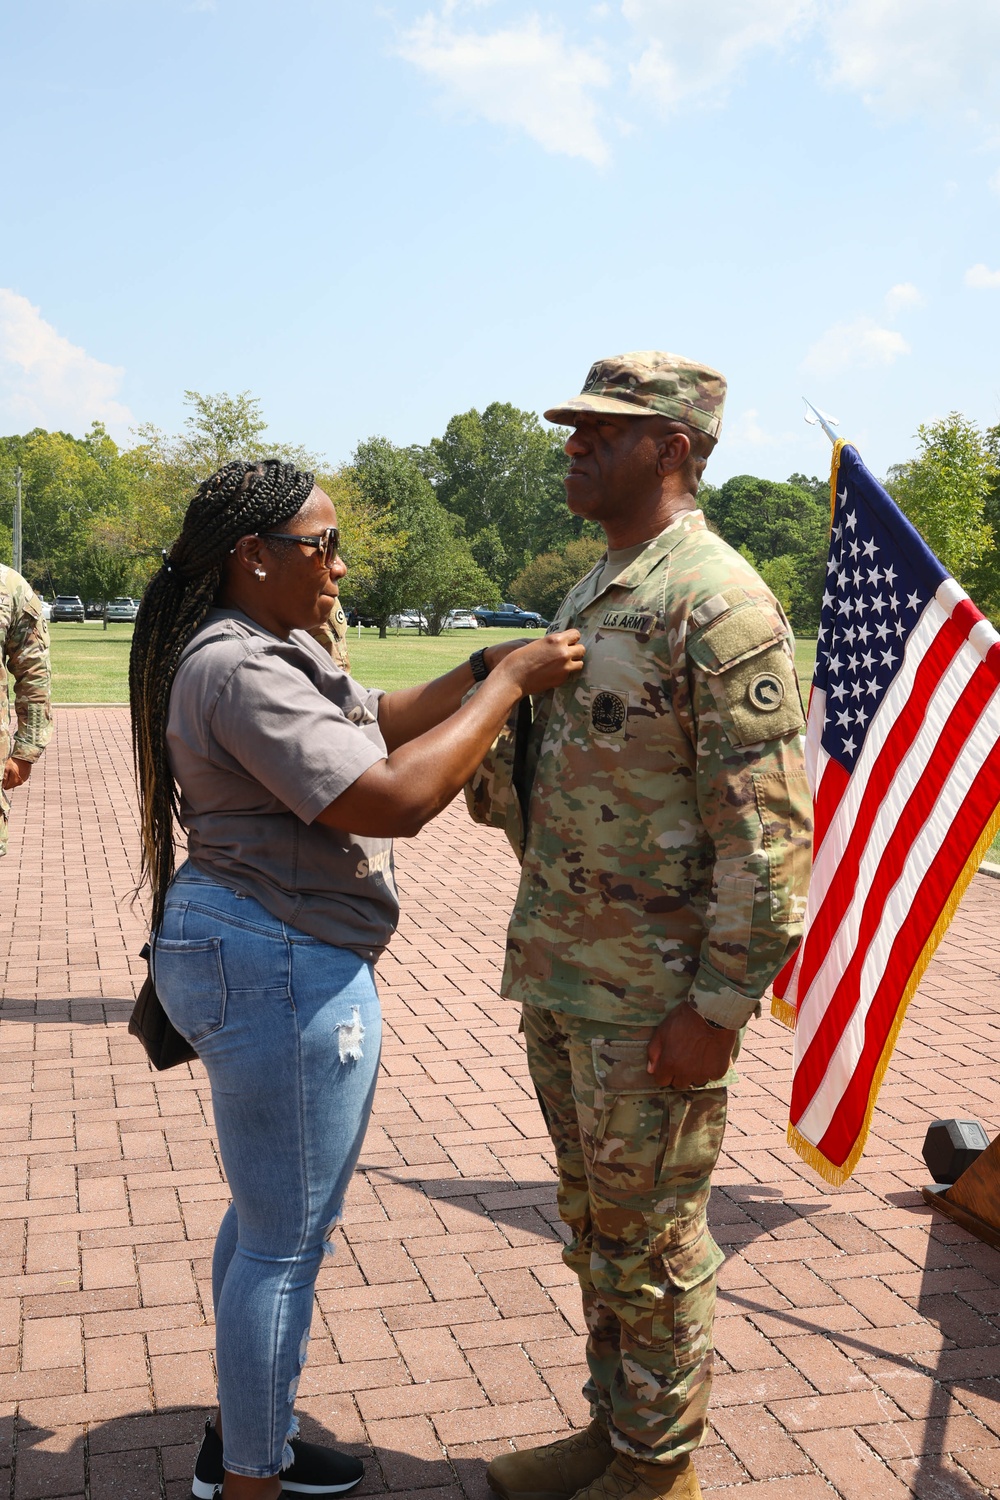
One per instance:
(760, 694)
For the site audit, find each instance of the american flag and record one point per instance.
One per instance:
(902, 756)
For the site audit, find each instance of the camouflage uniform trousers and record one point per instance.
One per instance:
(635, 1164)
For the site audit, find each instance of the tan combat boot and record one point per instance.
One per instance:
(556, 1471)
(629, 1478)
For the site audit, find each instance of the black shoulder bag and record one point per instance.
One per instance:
(165, 1047)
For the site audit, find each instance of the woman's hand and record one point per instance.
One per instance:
(540, 665)
(396, 797)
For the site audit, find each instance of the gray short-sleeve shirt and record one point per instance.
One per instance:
(263, 734)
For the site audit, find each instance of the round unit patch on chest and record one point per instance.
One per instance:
(766, 692)
(607, 713)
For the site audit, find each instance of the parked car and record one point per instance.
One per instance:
(460, 619)
(355, 618)
(408, 619)
(68, 607)
(511, 616)
(94, 609)
(121, 609)
(46, 608)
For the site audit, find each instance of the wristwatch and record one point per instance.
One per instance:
(715, 1025)
(477, 661)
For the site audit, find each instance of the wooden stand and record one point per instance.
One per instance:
(974, 1200)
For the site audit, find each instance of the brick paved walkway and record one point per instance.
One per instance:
(858, 1338)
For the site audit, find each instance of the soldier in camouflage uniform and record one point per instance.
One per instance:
(332, 636)
(24, 655)
(665, 826)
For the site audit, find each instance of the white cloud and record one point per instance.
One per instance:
(689, 50)
(903, 294)
(45, 381)
(747, 429)
(917, 54)
(900, 55)
(995, 181)
(982, 278)
(863, 343)
(525, 76)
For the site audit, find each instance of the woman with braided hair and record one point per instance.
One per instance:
(290, 780)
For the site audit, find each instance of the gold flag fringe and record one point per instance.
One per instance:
(782, 1010)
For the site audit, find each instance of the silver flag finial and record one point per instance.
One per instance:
(828, 423)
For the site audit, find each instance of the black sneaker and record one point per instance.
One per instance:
(316, 1470)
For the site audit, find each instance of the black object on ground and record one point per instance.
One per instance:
(952, 1145)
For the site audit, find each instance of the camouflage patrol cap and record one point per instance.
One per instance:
(648, 383)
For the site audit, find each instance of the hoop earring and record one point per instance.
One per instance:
(259, 574)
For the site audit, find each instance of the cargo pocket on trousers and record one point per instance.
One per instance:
(684, 1290)
(190, 984)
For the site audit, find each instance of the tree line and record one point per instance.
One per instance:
(474, 516)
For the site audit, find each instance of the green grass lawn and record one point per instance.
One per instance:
(90, 664)
(805, 665)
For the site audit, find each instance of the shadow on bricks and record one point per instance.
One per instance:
(925, 1343)
(150, 1456)
(494, 1199)
(80, 1011)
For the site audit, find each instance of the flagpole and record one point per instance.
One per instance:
(823, 419)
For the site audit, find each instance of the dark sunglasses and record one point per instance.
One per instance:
(328, 541)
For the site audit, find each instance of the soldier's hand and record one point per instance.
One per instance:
(15, 773)
(546, 663)
(685, 1052)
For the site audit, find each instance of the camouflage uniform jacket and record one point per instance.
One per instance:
(669, 824)
(332, 636)
(24, 655)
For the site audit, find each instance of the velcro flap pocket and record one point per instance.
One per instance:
(690, 1263)
(741, 631)
(620, 1066)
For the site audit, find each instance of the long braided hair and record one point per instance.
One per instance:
(240, 499)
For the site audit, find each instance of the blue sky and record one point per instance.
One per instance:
(375, 216)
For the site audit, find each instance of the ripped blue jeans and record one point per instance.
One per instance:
(289, 1030)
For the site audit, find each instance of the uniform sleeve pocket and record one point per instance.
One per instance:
(784, 803)
(190, 984)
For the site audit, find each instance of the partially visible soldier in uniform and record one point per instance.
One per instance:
(332, 636)
(666, 858)
(24, 655)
